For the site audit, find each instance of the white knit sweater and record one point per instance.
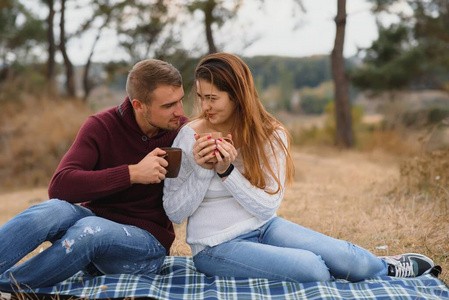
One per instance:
(217, 210)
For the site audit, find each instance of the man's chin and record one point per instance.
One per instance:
(173, 125)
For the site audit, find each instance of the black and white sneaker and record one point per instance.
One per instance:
(408, 265)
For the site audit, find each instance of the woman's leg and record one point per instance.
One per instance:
(110, 246)
(39, 223)
(245, 257)
(344, 260)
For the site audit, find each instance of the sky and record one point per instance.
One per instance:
(284, 30)
(278, 27)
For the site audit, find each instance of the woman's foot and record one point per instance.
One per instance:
(410, 265)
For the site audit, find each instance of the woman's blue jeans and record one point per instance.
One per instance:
(286, 251)
(80, 241)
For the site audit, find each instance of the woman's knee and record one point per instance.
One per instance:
(309, 268)
(293, 265)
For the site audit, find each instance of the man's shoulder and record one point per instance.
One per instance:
(111, 111)
(106, 115)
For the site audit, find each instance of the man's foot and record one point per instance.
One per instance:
(408, 265)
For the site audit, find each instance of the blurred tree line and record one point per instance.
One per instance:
(30, 43)
(409, 54)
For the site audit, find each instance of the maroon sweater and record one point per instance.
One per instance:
(95, 172)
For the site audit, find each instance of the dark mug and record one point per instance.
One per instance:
(173, 156)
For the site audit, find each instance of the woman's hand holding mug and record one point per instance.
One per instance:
(225, 154)
(213, 150)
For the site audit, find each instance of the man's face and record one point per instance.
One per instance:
(163, 112)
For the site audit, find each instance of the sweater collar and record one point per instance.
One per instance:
(126, 111)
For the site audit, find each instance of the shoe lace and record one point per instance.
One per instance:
(404, 269)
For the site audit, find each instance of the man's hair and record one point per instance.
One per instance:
(147, 75)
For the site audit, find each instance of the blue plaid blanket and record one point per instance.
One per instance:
(180, 280)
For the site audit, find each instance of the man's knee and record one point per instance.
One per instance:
(54, 209)
(84, 235)
(90, 226)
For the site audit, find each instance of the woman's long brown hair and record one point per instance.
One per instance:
(254, 125)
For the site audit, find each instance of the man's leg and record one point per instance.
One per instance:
(111, 247)
(39, 223)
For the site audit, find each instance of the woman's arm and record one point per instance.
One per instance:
(257, 201)
(183, 194)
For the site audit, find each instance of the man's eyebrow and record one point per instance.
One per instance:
(173, 102)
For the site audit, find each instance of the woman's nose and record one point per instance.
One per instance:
(205, 105)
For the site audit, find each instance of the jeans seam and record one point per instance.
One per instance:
(226, 260)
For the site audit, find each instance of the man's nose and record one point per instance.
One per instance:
(179, 110)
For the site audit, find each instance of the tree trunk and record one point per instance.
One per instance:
(87, 84)
(51, 68)
(208, 20)
(69, 71)
(344, 133)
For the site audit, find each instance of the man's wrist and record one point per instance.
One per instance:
(132, 178)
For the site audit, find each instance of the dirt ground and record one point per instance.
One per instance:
(344, 194)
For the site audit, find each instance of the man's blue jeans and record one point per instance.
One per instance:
(80, 241)
(286, 251)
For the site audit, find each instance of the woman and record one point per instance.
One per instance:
(231, 204)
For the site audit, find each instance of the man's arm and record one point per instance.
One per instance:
(76, 179)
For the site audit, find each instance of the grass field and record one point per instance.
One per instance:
(344, 194)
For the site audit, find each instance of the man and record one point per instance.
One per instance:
(115, 170)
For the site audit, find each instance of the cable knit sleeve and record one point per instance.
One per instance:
(183, 194)
(255, 200)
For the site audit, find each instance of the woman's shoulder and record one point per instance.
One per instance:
(196, 125)
(280, 132)
(186, 130)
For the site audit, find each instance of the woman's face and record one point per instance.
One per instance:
(215, 103)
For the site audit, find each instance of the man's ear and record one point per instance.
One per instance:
(137, 104)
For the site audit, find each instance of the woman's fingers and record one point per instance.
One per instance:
(227, 150)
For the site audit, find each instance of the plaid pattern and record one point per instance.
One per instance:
(180, 280)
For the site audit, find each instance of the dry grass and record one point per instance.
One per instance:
(344, 194)
(34, 137)
(426, 172)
